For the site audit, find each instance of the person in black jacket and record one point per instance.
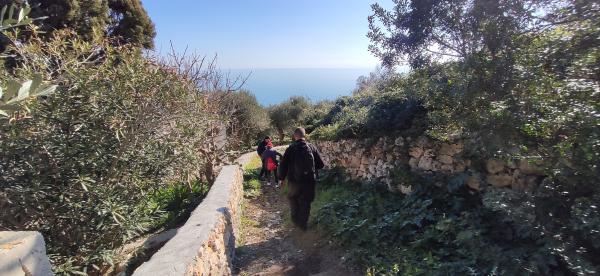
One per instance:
(299, 165)
(262, 146)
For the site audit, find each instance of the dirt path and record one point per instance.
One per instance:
(270, 245)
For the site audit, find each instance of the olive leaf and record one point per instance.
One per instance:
(17, 92)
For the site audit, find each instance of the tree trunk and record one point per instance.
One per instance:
(281, 134)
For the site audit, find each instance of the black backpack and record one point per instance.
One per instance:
(304, 162)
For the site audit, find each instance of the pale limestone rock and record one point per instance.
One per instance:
(22, 251)
(425, 163)
(445, 159)
(413, 162)
(405, 189)
(502, 180)
(415, 152)
(372, 168)
(399, 142)
(494, 166)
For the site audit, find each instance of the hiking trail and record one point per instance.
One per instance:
(270, 245)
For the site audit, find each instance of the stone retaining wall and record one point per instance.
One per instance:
(205, 244)
(23, 253)
(375, 161)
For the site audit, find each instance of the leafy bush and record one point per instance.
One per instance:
(285, 115)
(525, 88)
(372, 115)
(173, 203)
(448, 231)
(81, 166)
(249, 120)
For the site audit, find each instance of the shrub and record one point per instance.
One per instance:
(448, 230)
(121, 131)
(285, 115)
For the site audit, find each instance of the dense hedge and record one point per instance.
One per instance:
(122, 147)
(449, 230)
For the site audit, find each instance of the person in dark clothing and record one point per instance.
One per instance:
(299, 165)
(269, 158)
(262, 146)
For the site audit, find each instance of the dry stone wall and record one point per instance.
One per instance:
(205, 245)
(376, 161)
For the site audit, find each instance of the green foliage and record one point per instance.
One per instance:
(372, 115)
(515, 80)
(83, 165)
(314, 114)
(286, 115)
(18, 92)
(172, 204)
(10, 98)
(249, 120)
(252, 185)
(124, 20)
(12, 16)
(446, 230)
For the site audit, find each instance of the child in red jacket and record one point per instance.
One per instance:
(269, 157)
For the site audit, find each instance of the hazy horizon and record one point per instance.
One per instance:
(274, 85)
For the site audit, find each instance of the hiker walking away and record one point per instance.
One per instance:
(299, 165)
(262, 146)
(269, 158)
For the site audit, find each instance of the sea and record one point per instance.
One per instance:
(273, 86)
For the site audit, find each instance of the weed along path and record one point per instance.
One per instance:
(269, 244)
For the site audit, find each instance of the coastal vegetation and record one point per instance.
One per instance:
(513, 79)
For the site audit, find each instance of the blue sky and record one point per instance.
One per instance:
(253, 34)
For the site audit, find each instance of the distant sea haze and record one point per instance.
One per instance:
(272, 86)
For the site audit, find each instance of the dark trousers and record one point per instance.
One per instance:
(301, 194)
(263, 168)
(269, 173)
